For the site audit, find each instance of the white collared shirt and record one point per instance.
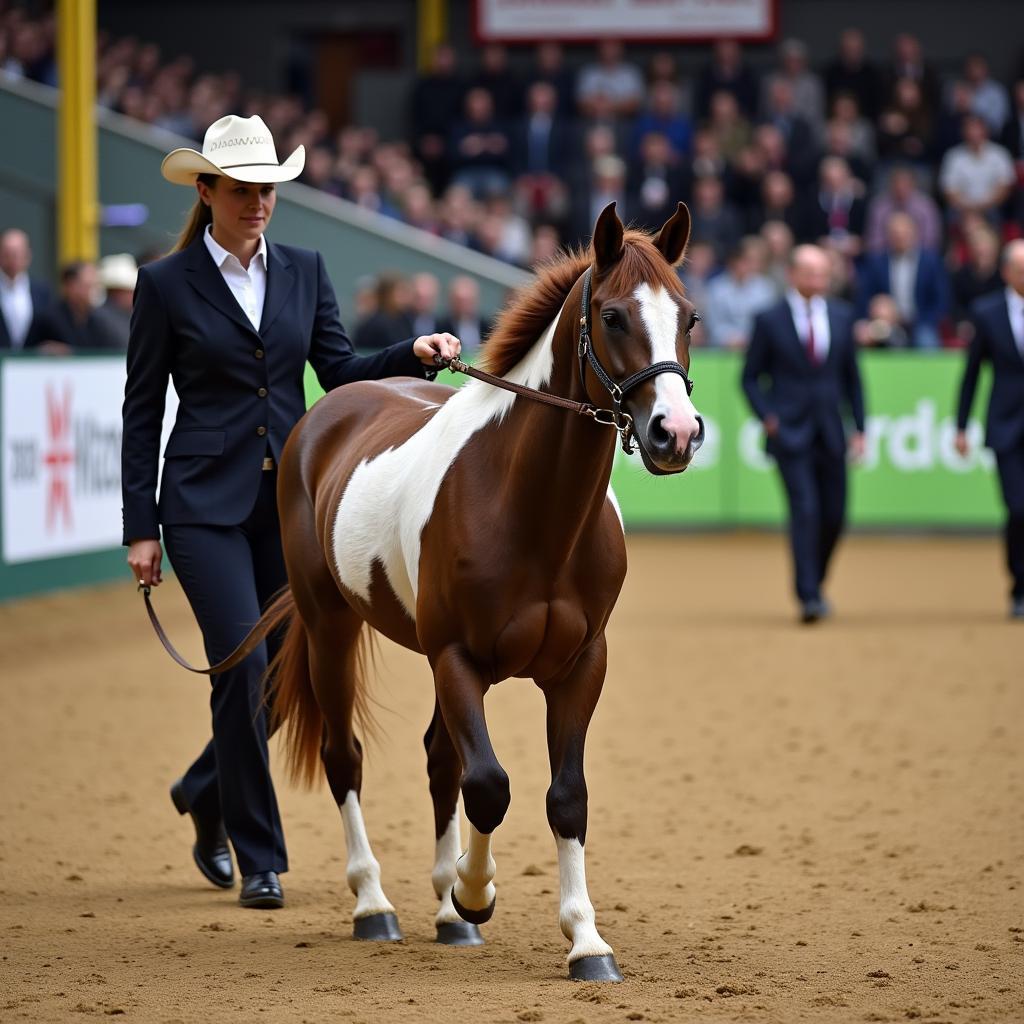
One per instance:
(902, 282)
(16, 305)
(249, 287)
(798, 307)
(1015, 310)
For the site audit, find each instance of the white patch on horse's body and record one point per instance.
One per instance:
(576, 913)
(362, 872)
(660, 315)
(475, 887)
(389, 498)
(444, 875)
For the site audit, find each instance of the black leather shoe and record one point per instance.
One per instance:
(262, 891)
(210, 851)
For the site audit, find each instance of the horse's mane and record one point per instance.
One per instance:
(530, 311)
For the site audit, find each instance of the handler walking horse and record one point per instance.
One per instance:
(477, 527)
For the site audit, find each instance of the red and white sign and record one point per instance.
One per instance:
(646, 20)
(60, 439)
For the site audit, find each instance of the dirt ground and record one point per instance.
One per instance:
(786, 824)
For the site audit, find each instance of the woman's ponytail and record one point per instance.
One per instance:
(198, 218)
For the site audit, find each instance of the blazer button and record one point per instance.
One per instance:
(261, 431)
(258, 353)
(262, 393)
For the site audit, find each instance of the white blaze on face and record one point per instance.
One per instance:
(660, 315)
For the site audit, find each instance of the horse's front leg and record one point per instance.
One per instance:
(460, 690)
(571, 700)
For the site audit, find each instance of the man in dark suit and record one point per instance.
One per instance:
(914, 277)
(22, 298)
(801, 367)
(73, 322)
(464, 314)
(999, 337)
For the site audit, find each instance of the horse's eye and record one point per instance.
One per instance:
(611, 320)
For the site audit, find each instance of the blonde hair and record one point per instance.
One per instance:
(199, 217)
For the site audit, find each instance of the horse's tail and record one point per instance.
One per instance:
(290, 695)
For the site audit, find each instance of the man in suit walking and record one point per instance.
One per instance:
(801, 368)
(999, 337)
(22, 298)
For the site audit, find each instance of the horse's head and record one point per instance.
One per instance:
(639, 316)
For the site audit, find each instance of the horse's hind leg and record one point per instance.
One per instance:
(571, 701)
(444, 768)
(485, 792)
(333, 629)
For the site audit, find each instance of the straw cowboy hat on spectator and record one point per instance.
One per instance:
(118, 272)
(236, 147)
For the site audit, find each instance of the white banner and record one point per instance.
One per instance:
(60, 439)
(650, 20)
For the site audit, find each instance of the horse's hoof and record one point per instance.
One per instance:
(377, 928)
(595, 968)
(459, 933)
(473, 916)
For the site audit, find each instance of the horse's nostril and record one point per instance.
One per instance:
(658, 435)
(698, 439)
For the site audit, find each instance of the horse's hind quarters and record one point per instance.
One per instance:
(377, 928)
(595, 968)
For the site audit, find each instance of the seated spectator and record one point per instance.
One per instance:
(846, 114)
(606, 184)
(463, 318)
(727, 71)
(318, 172)
(989, 99)
(418, 208)
(389, 323)
(979, 275)
(23, 299)
(778, 241)
(664, 117)
(881, 328)
(727, 124)
(542, 154)
(549, 66)
(459, 214)
(978, 175)
(437, 99)
(503, 234)
(480, 152)
(424, 296)
(697, 271)
(735, 297)
(118, 275)
(835, 214)
(713, 220)
(612, 77)
(800, 138)
(839, 144)
(915, 279)
(909, 64)
(904, 195)
(852, 74)
(545, 245)
(708, 161)
(657, 182)
(778, 202)
(496, 77)
(72, 322)
(364, 190)
(905, 125)
(808, 95)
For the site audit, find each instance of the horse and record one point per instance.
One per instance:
(477, 527)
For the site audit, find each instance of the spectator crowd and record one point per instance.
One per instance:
(912, 180)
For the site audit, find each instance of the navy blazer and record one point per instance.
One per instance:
(240, 389)
(41, 299)
(931, 286)
(993, 340)
(779, 379)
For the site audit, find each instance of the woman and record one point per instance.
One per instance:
(231, 319)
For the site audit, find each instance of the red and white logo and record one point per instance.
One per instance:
(58, 457)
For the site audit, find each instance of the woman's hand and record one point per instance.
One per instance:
(429, 345)
(144, 557)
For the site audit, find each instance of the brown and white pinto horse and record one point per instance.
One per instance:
(478, 528)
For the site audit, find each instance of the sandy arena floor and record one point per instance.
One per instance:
(786, 824)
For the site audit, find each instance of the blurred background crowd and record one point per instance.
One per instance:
(912, 180)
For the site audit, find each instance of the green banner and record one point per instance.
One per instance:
(911, 474)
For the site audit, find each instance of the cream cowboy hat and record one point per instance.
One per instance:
(118, 272)
(237, 147)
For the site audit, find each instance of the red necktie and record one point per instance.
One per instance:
(811, 353)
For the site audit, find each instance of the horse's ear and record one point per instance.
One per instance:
(674, 235)
(607, 238)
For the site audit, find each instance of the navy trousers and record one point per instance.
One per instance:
(815, 482)
(1011, 479)
(229, 574)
